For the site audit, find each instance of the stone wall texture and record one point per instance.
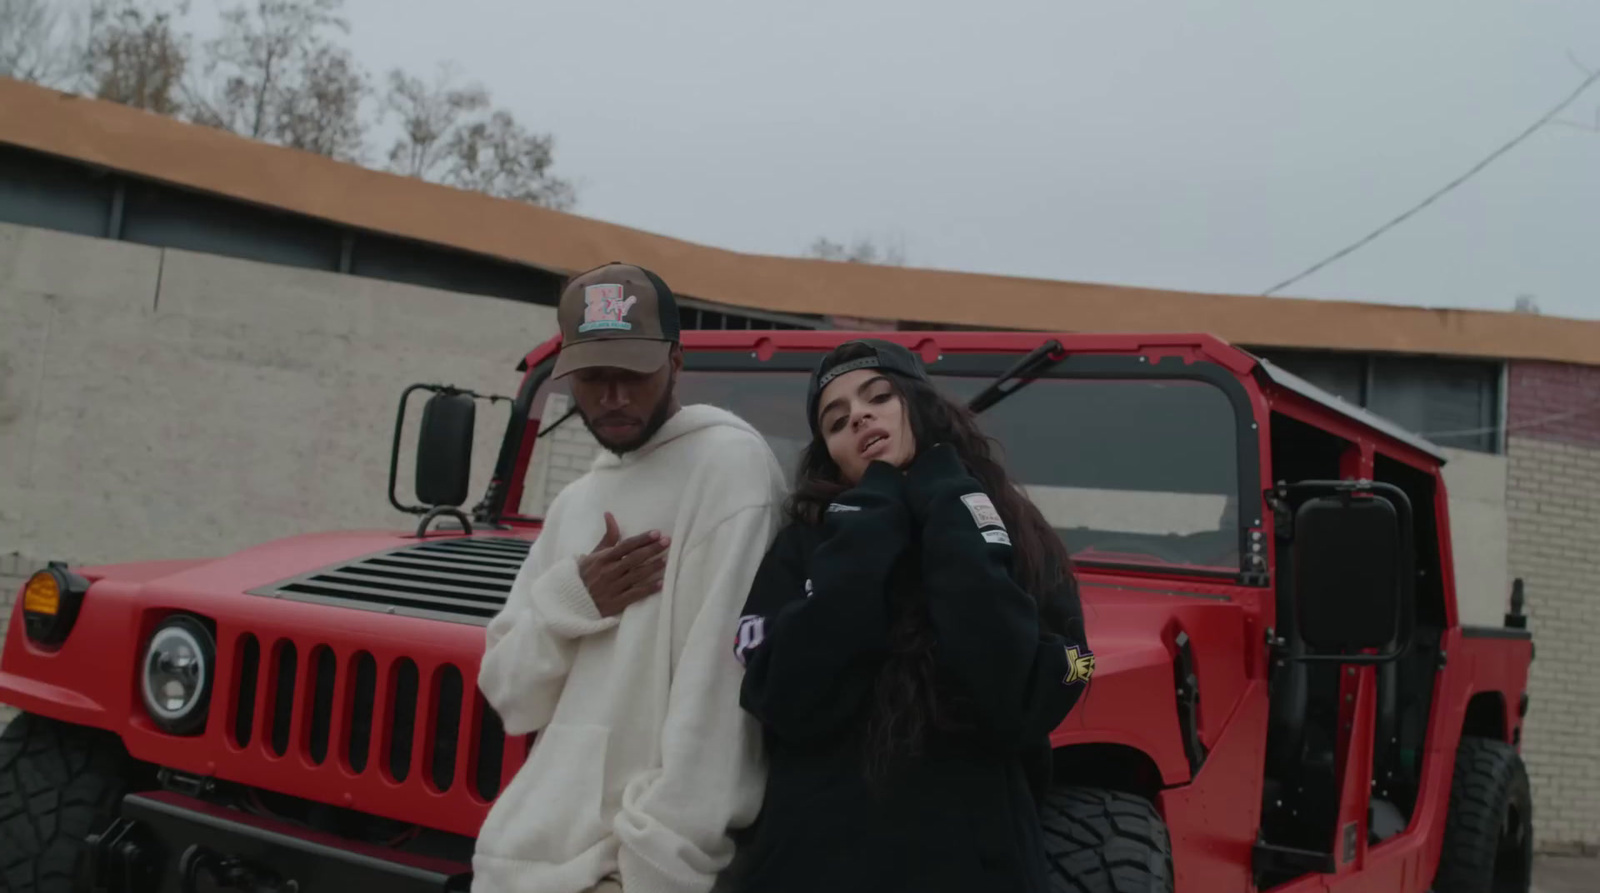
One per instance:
(157, 403)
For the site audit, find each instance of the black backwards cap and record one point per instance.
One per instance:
(874, 353)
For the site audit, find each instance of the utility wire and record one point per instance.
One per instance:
(1350, 249)
(1520, 426)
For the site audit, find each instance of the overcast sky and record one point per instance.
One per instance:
(1215, 146)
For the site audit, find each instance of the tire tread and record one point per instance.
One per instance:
(1486, 772)
(1101, 841)
(58, 783)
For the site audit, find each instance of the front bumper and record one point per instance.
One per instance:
(169, 843)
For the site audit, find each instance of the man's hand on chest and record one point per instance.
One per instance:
(619, 572)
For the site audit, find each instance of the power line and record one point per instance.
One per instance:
(1548, 117)
(1520, 426)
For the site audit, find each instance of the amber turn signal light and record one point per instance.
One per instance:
(43, 595)
(50, 604)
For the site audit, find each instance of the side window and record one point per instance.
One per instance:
(1302, 452)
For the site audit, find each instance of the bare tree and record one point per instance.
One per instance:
(863, 251)
(277, 71)
(35, 45)
(429, 115)
(498, 157)
(274, 73)
(450, 135)
(321, 110)
(135, 56)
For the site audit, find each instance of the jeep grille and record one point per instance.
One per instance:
(363, 713)
(458, 580)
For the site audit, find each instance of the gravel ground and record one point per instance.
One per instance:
(1566, 874)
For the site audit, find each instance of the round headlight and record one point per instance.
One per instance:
(50, 604)
(176, 675)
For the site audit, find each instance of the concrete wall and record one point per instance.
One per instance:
(162, 404)
(1476, 484)
(1554, 508)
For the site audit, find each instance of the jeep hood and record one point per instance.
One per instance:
(453, 577)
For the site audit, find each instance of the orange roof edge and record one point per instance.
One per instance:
(146, 145)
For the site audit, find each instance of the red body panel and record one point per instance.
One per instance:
(1133, 621)
(91, 679)
(1132, 625)
(1213, 820)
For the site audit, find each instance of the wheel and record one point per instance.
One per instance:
(59, 783)
(1488, 835)
(1100, 841)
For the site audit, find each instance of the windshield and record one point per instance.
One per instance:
(1130, 472)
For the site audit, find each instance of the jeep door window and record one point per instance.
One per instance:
(1137, 472)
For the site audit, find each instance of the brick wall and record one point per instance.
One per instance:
(559, 458)
(1553, 507)
(1555, 402)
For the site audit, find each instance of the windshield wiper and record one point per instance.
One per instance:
(1018, 376)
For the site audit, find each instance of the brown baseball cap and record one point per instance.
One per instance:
(619, 315)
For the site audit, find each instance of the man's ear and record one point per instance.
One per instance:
(675, 357)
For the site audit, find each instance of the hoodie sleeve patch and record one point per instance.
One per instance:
(983, 511)
(752, 632)
(1080, 666)
(997, 537)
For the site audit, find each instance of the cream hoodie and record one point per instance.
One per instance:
(644, 760)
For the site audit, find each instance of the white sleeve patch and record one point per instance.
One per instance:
(997, 536)
(983, 510)
(752, 631)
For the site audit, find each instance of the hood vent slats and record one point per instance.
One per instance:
(460, 581)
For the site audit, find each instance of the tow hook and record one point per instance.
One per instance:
(228, 873)
(119, 859)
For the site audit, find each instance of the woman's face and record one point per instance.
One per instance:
(863, 419)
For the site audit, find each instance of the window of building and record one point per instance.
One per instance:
(1453, 403)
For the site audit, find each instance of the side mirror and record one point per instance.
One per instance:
(444, 449)
(444, 453)
(1352, 575)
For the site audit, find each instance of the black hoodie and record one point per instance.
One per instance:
(961, 814)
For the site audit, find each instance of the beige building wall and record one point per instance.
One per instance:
(1476, 485)
(164, 404)
(1555, 548)
(1554, 503)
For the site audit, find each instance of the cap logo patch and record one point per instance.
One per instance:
(605, 308)
(983, 510)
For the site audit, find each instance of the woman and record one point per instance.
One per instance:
(906, 650)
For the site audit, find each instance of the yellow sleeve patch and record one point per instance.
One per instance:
(1080, 666)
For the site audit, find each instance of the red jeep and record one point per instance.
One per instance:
(1285, 696)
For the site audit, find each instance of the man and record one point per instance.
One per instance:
(613, 644)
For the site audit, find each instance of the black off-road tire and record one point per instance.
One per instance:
(1488, 836)
(1100, 841)
(59, 783)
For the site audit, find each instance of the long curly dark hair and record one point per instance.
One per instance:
(908, 700)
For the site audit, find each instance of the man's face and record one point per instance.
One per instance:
(624, 409)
